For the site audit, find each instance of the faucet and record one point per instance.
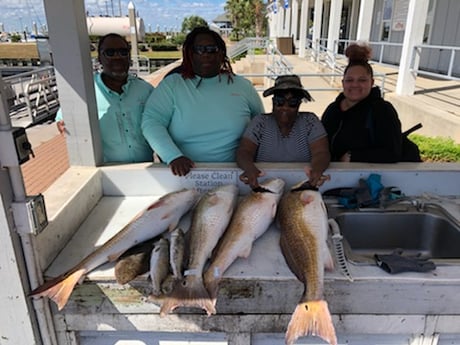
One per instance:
(384, 202)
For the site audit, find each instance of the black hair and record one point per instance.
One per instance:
(187, 52)
(103, 38)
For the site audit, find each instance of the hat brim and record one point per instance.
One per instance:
(271, 91)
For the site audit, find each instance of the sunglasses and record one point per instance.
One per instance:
(200, 50)
(111, 52)
(293, 102)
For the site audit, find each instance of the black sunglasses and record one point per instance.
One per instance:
(293, 102)
(111, 52)
(200, 50)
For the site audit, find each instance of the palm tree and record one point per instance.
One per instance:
(247, 16)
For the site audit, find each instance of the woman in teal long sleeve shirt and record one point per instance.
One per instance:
(199, 114)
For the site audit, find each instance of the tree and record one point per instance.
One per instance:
(247, 16)
(189, 23)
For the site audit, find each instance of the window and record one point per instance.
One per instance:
(386, 20)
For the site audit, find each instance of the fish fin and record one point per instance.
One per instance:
(306, 198)
(313, 318)
(115, 256)
(211, 282)
(274, 208)
(60, 288)
(173, 226)
(156, 204)
(327, 257)
(189, 292)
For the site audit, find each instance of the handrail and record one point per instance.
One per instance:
(34, 94)
(418, 52)
(276, 63)
(334, 56)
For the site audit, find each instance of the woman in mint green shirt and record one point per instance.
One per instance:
(199, 114)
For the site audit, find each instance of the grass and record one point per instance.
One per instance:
(22, 51)
(437, 149)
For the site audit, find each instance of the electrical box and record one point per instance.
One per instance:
(23, 147)
(30, 216)
(15, 147)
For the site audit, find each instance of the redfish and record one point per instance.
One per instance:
(210, 218)
(162, 215)
(304, 226)
(252, 217)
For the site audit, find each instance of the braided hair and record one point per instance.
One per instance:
(358, 55)
(187, 53)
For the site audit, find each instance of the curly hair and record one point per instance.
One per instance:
(358, 55)
(187, 53)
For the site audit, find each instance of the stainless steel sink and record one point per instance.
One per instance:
(429, 234)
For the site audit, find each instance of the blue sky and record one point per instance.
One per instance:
(15, 14)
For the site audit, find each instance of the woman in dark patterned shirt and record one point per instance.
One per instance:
(285, 135)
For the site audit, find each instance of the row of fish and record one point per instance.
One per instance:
(222, 229)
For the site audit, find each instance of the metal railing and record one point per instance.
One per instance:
(277, 64)
(33, 94)
(333, 59)
(417, 53)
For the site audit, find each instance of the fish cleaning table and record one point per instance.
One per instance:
(258, 294)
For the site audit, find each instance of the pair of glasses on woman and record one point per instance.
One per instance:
(200, 50)
(292, 102)
(111, 52)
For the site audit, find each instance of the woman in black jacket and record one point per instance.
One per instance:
(361, 125)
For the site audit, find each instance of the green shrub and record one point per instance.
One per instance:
(437, 149)
(15, 38)
(163, 46)
(143, 47)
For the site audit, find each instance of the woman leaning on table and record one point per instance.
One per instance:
(199, 113)
(284, 135)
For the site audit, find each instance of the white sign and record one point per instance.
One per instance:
(401, 8)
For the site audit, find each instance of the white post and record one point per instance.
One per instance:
(415, 26)
(280, 20)
(334, 25)
(17, 316)
(133, 35)
(295, 19)
(352, 24)
(288, 29)
(365, 20)
(303, 28)
(67, 23)
(317, 24)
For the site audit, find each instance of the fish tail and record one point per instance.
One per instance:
(189, 292)
(312, 317)
(59, 289)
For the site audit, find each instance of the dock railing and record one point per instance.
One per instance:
(33, 95)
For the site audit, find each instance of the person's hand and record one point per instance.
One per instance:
(346, 157)
(250, 177)
(61, 126)
(316, 178)
(181, 166)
